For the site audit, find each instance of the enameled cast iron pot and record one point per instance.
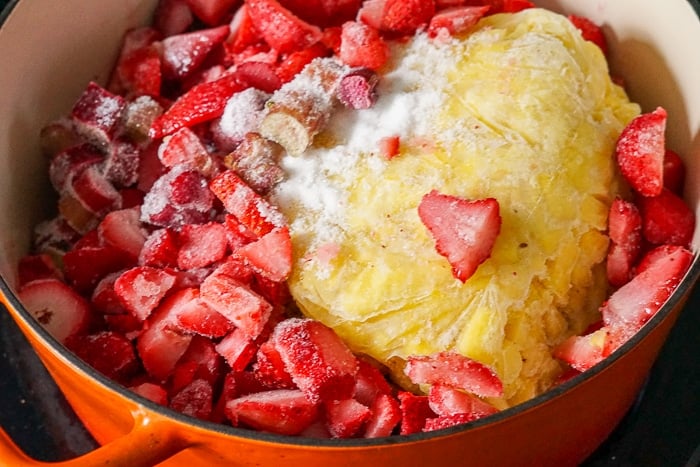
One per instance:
(49, 50)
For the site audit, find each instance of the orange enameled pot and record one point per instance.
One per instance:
(49, 53)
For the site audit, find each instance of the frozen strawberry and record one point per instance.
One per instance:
(96, 114)
(104, 298)
(666, 219)
(94, 192)
(246, 309)
(275, 292)
(582, 352)
(238, 349)
(201, 103)
(446, 401)
(139, 72)
(514, 6)
(110, 353)
(122, 230)
(369, 384)
(212, 12)
(625, 231)
(464, 231)
(320, 363)
(57, 307)
(201, 245)
(172, 17)
(454, 370)
(633, 304)
(447, 421)
(415, 411)
(124, 323)
(184, 53)
(185, 148)
(362, 46)
(386, 415)
(151, 391)
(195, 316)
(250, 209)
(640, 152)
(282, 411)
(403, 17)
(269, 368)
(150, 167)
(195, 399)
(85, 267)
(199, 361)
(456, 20)
(160, 249)
(345, 418)
(69, 163)
(271, 255)
(293, 63)
(281, 29)
(237, 233)
(259, 75)
(674, 172)
(141, 289)
(38, 266)
(357, 90)
(590, 31)
(243, 32)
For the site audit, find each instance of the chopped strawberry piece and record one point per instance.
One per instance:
(386, 415)
(185, 53)
(276, 293)
(94, 192)
(238, 349)
(269, 368)
(640, 152)
(34, 267)
(457, 20)
(357, 90)
(125, 323)
(464, 231)
(141, 289)
(105, 299)
(67, 164)
(184, 147)
(200, 361)
(323, 12)
(195, 399)
(85, 267)
(201, 103)
(243, 32)
(514, 6)
(259, 75)
(590, 31)
(271, 255)
(122, 230)
(172, 17)
(362, 46)
(447, 421)
(399, 17)
(151, 391)
(96, 114)
(625, 230)
(246, 309)
(389, 146)
(345, 418)
(293, 63)
(454, 370)
(194, 315)
(320, 363)
(250, 209)
(237, 233)
(674, 172)
(282, 411)
(160, 249)
(57, 307)
(445, 400)
(281, 29)
(110, 353)
(666, 219)
(139, 72)
(369, 383)
(212, 12)
(201, 245)
(415, 411)
(583, 352)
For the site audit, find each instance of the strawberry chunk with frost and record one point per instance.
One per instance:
(195, 316)
(38, 266)
(456, 20)
(104, 298)
(110, 353)
(293, 63)
(141, 289)
(151, 391)
(454, 370)
(281, 411)
(666, 219)
(269, 368)
(159, 249)
(96, 114)
(444, 401)
(201, 245)
(184, 53)
(85, 267)
(446, 421)
(251, 209)
(150, 167)
(464, 231)
(185, 148)
(201, 103)
(238, 349)
(583, 352)
(94, 192)
(195, 399)
(281, 29)
(271, 255)
(625, 231)
(199, 361)
(212, 12)
(369, 383)
(386, 415)
(138, 73)
(69, 163)
(415, 411)
(362, 46)
(172, 17)
(260, 75)
(514, 6)
(640, 151)
(320, 363)
(674, 172)
(57, 307)
(237, 302)
(345, 418)
(122, 230)
(590, 31)
(402, 17)
(241, 116)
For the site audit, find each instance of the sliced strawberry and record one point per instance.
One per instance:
(415, 411)
(122, 230)
(386, 415)
(625, 231)
(345, 418)
(271, 255)
(246, 309)
(110, 353)
(151, 391)
(282, 411)
(184, 53)
(201, 245)
(666, 219)
(447, 421)
(104, 298)
(281, 29)
(269, 368)
(590, 31)
(456, 20)
(141, 289)
(39, 266)
(243, 32)
(195, 316)
(172, 17)
(320, 363)
(369, 383)
(674, 172)
(96, 114)
(294, 62)
(195, 399)
(362, 46)
(186, 148)
(85, 267)
(200, 103)
(464, 231)
(445, 401)
(237, 233)
(57, 307)
(238, 349)
(250, 209)
(160, 249)
(212, 12)
(200, 361)
(583, 352)
(454, 370)
(640, 152)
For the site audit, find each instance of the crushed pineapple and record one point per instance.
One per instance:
(521, 109)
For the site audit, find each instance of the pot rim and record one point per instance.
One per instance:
(684, 289)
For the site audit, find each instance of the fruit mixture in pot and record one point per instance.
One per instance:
(357, 219)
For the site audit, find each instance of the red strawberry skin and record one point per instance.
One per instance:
(666, 219)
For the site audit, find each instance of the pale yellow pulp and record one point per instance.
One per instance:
(530, 117)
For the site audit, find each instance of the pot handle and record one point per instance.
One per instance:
(147, 444)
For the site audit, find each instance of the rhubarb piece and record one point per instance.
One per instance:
(242, 115)
(357, 88)
(57, 137)
(121, 164)
(96, 114)
(139, 115)
(94, 192)
(69, 163)
(255, 161)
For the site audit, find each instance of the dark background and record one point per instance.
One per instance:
(663, 429)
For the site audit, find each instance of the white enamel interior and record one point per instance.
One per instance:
(48, 52)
